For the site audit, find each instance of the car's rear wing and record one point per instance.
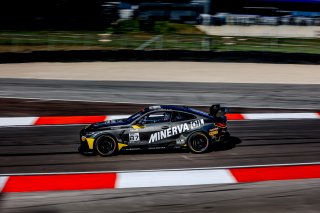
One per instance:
(217, 111)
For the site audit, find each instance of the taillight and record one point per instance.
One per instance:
(221, 125)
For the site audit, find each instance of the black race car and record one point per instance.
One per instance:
(157, 127)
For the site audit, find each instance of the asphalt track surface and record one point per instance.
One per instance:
(231, 94)
(54, 149)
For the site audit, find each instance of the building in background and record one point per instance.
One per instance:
(241, 6)
(99, 14)
(263, 12)
(175, 12)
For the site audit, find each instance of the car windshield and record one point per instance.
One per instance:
(136, 115)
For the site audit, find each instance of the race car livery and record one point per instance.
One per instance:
(157, 127)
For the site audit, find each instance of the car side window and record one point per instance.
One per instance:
(181, 116)
(156, 117)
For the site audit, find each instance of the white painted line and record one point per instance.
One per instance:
(18, 121)
(3, 181)
(173, 178)
(277, 116)
(161, 170)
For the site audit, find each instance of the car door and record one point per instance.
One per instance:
(149, 130)
(178, 122)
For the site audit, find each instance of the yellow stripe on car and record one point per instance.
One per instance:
(121, 145)
(137, 126)
(90, 142)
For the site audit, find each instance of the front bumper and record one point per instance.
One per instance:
(84, 148)
(86, 144)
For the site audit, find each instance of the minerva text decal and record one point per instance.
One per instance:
(176, 130)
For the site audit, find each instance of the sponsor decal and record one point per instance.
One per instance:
(134, 137)
(213, 132)
(178, 129)
(180, 141)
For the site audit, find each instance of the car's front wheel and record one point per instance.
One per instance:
(198, 142)
(106, 145)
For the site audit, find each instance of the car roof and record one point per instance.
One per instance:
(178, 108)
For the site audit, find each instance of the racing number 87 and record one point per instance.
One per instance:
(134, 137)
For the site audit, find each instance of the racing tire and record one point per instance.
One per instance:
(106, 145)
(198, 143)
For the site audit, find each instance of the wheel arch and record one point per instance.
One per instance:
(106, 134)
(198, 131)
(201, 132)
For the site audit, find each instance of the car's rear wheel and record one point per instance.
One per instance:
(106, 145)
(198, 142)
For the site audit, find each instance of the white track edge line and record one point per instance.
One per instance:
(174, 178)
(277, 116)
(3, 181)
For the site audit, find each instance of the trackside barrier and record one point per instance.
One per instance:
(154, 178)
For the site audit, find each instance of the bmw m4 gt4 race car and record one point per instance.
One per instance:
(157, 127)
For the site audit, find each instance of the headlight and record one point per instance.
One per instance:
(90, 134)
(83, 138)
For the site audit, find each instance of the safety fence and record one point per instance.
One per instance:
(55, 41)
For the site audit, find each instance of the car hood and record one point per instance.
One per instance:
(106, 124)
